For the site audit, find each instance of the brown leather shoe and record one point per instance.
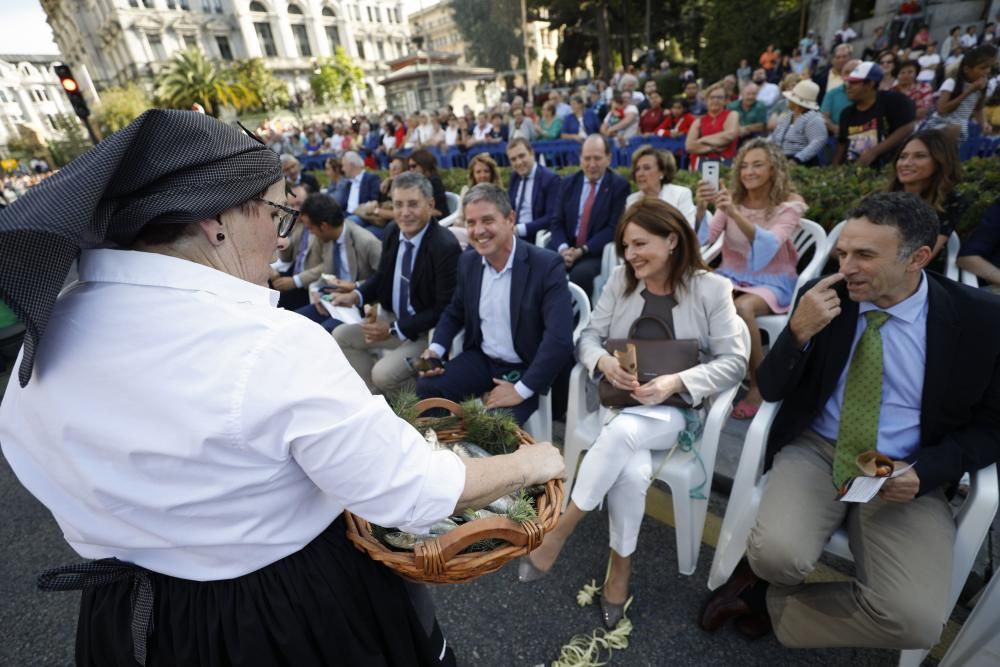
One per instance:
(755, 625)
(725, 604)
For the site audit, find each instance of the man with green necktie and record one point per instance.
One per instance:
(881, 356)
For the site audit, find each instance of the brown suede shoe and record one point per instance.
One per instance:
(725, 604)
(755, 625)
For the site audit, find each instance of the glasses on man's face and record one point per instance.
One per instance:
(286, 221)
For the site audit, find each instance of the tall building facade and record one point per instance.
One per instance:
(30, 96)
(120, 41)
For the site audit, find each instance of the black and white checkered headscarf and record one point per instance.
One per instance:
(166, 166)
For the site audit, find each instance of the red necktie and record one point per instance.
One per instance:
(588, 206)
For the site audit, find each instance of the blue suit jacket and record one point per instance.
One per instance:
(541, 310)
(608, 208)
(369, 190)
(544, 199)
(591, 123)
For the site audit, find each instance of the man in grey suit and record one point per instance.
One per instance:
(338, 248)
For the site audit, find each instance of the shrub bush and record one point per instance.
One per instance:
(829, 191)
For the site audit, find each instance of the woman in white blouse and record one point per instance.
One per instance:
(664, 277)
(653, 171)
(206, 443)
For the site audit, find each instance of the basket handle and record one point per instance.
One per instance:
(432, 403)
(431, 556)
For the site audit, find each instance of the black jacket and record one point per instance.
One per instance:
(432, 281)
(960, 405)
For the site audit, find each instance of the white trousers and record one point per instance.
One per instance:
(620, 466)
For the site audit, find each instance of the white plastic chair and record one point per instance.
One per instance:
(539, 424)
(812, 235)
(951, 257)
(681, 473)
(972, 520)
(970, 279)
(609, 260)
(711, 251)
(978, 643)
(454, 204)
(542, 238)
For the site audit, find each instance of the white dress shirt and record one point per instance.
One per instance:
(355, 194)
(397, 275)
(522, 201)
(584, 193)
(178, 420)
(677, 196)
(495, 319)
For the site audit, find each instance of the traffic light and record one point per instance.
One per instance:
(72, 89)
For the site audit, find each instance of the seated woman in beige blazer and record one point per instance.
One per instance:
(663, 276)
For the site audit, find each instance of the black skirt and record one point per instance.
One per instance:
(327, 604)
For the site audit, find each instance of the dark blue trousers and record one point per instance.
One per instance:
(323, 319)
(470, 375)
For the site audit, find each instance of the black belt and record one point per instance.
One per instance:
(106, 571)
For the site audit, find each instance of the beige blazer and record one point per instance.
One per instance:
(704, 311)
(362, 248)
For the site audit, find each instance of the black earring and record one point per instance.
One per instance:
(220, 236)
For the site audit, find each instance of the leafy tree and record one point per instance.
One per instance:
(270, 92)
(72, 142)
(546, 75)
(190, 78)
(336, 78)
(492, 32)
(119, 107)
(737, 29)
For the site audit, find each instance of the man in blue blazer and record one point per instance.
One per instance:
(359, 194)
(534, 190)
(591, 204)
(513, 302)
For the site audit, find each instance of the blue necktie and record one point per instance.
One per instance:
(337, 266)
(300, 259)
(404, 282)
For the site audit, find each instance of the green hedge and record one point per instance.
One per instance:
(829, 191)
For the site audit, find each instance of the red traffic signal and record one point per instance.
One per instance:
(72, 89)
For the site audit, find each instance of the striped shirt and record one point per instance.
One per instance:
(803, 138)
(959, 116)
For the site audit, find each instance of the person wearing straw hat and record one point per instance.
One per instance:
(801, 131)
(198, 442)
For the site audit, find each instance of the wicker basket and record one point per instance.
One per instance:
(440, 560)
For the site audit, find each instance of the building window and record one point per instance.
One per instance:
(218, 6)
(186, 5)
(266, 39)
(148, 4)
(206, 6)
(357, 12)
(329, 12)
(302, 40)
(370, 19)
(361, 48)
(133, 3)
(294, 9)
(190, 42)
(52, 121)
(257, 7)
(171, 4)
(398, 20)
(378, 14)
(381, 50)
(225, 50)
(156, 46)
(333, 36)
(3, 97)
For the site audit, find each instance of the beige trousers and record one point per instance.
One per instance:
(902, 556)
(389, 373)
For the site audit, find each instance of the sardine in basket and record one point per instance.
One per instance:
(440, 560)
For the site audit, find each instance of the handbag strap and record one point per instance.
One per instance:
(667, 328)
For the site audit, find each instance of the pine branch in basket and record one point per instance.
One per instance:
(496, 431)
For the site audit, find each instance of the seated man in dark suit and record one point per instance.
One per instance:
(591, 203)
(294, 175)
(514, 304)
(358, 196)
(534, 190)
(413, 285)
(344, 250)
(882, 356)
(296, 257)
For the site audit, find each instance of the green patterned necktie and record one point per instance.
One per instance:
(862, 404)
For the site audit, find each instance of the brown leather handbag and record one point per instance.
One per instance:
(654, 357)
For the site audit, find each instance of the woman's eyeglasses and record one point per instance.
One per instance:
(287, 220)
